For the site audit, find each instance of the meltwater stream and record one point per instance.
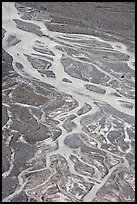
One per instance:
(91, 98)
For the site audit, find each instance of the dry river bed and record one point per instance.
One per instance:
(68, 112)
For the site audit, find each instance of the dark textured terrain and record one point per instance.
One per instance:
(88, 17)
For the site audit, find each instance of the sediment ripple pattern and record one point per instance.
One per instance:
(68, 113)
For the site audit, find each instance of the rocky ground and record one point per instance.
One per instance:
(68, 102)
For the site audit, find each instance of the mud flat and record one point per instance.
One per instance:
(68, 102)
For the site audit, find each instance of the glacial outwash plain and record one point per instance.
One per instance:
(68, 102)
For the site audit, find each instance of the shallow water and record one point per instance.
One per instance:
(106, 113)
